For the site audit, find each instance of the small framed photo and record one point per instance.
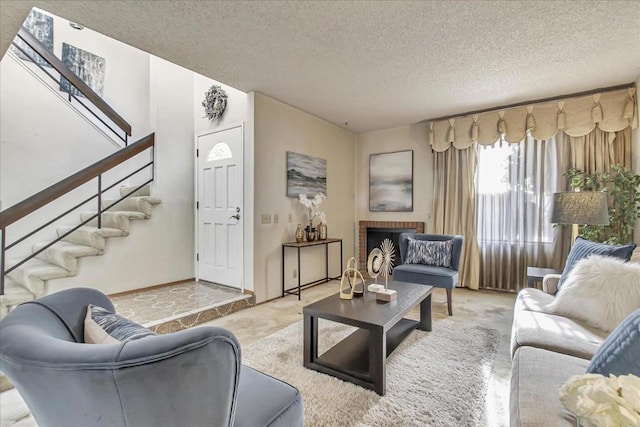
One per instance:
(391, 182)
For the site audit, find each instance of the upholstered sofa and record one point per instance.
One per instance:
(547, 349)
(190, 378)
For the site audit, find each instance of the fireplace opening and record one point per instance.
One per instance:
(372, 233)
(375, 236)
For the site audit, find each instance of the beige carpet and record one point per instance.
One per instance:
(436, 378)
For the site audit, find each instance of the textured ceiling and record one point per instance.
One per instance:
(376, 64)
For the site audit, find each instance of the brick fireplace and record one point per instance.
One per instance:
(371, 226)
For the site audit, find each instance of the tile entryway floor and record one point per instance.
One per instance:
(150, 305)
(175, 307)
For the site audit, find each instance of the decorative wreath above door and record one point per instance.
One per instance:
(215, 102)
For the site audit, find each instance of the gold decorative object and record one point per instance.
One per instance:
(374, 267)
(322, 231)
(350, 277)
(374, 263)
(388, 255)
(299, 234)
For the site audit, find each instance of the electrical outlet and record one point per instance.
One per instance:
(295, 273)
(265, 218)
(276, 219)
(429, 217)
(290, 218)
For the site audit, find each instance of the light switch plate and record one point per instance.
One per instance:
(265, 218)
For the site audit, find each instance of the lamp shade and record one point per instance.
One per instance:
(583, 208)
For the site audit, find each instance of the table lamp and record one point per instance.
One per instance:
(580, 208)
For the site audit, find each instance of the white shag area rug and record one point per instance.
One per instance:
(436, 378)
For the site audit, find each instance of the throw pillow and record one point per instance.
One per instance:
(619, 354)
(599, 290)
(582, 248)
(429, 252)
(104, 327)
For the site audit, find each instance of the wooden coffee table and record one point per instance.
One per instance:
(361, 357)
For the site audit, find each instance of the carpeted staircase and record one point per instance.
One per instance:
(28, 281)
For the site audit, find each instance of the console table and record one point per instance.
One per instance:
(297, 290)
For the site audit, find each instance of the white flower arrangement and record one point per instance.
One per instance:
(598, 401)
(313, 208)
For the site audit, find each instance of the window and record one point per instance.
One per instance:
(514, 188)
(220, 151)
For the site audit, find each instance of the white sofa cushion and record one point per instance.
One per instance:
(554, 333)
(534, 326)
(536, 377)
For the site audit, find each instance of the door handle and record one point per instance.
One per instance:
(236, 216)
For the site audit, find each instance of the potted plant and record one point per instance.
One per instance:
(623, 189)
(313, 211)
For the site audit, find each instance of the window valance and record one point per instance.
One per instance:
(610, 111)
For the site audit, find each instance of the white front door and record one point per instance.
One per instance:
(219, 207)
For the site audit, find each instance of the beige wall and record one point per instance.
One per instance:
(279, 128)
(412, 137)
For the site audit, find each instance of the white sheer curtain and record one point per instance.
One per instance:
(514, 188)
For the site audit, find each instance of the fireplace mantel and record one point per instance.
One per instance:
(362, 236)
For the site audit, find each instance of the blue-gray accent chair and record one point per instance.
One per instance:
(189, 378)
(438, 277)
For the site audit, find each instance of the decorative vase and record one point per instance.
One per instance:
(311, 236)
(299, 233)
(322, 231)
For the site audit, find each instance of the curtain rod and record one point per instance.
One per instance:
(537, 101)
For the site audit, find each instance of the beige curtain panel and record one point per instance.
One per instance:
(598, 151)
(454, 207)
(609, 111)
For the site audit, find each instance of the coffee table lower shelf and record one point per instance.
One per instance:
(349, 359)
(361, 357)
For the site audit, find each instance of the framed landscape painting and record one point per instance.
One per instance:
(306, 175)
(391, 182)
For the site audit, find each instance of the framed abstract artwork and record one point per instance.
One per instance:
(41, 26)
(86, 65)
(305, 175)
(391, 182)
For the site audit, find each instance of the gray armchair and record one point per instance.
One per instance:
(438, 277)
(188, 378)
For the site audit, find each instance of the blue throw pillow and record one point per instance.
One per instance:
(619, 354)
(104, 327)
(582, 248)
(429, 252)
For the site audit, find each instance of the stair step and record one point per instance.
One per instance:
(136, 204)
(119, 219)
(144, 191)
(89, 236)
(65, 254)
(14, 294)
(33, 273)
